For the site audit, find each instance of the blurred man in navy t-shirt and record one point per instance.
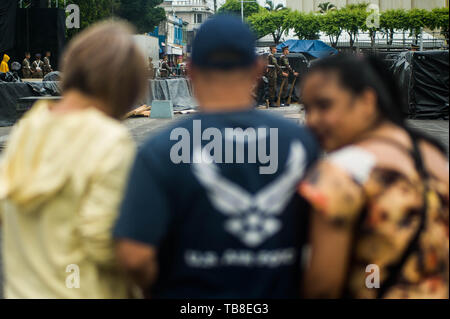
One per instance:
(211, 209)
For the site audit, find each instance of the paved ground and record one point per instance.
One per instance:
(435, 128)
(142, 128)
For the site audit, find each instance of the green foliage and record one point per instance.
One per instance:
(392, 20)
(142, 13)
(306, 25)
(234, 7)
(357, 6)
(418, 19)
(439, 20)
(275, 23)
(91, 12)
(352, 20)
(331, 23)
(277, 20)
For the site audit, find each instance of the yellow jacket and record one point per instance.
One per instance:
(61, 182)
(4, 65)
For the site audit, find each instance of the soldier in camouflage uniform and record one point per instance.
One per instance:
(26, 67)
(286, 67)
(165, 70)
(47, 65)
(37, 67)
(273, 69)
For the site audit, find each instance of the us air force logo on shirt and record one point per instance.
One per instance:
(253, 218)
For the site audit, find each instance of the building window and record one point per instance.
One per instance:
(198, 18)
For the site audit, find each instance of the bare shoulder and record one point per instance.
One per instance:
(395, 156)
(391, 156)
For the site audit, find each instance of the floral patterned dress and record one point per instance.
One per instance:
(383, 208)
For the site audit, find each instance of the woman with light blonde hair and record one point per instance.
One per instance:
(64, 169)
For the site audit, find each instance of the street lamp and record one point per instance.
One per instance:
(242, 8)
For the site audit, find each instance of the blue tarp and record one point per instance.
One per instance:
(315, 48)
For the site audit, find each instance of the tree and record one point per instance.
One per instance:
(325, 7)
(306, 25)
(91, 12)
(234, 7)
(372, 24)
(331, 23)
(275, 23)
(271, 7)
(439, 20)
(353, 19)
(392, 20)
(142, 13)
(416, 20)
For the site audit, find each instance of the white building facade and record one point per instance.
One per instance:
(312, 5)
(194, 12)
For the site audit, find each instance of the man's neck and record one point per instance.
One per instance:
(220, 106)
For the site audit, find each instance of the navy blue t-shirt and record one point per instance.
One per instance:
(215, 194)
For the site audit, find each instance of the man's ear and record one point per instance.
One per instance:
(190, 72)
(259, 67)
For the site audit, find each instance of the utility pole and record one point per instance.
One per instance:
(421, 39)
(215, 6)
(242, 8)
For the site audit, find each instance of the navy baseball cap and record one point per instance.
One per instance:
(224, 42)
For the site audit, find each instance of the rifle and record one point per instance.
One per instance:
(290, 91)
(281, 91)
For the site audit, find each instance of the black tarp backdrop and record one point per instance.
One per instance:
(177, 90)
(388, 57)
(10, 93)
(39, 30)
(424, 78)
(8, 10)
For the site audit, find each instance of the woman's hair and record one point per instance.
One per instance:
(358, 73)
(104, 62)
